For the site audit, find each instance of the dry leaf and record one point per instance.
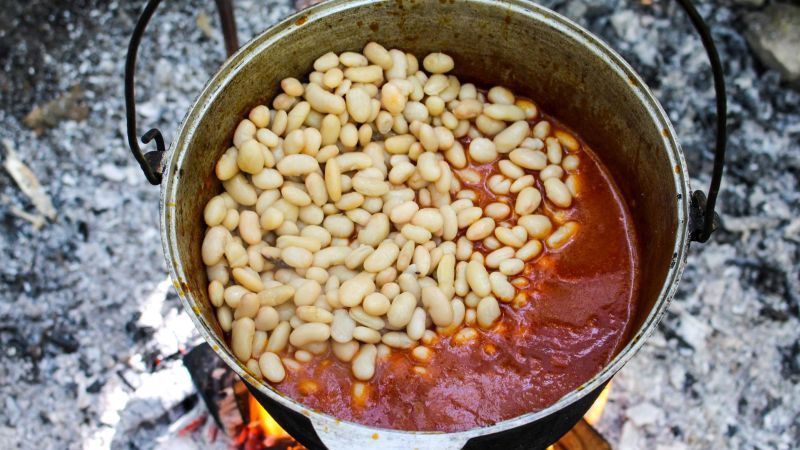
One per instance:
(68, 106)
(27, 182)
(204, 23)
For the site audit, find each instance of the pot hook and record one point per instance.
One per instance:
(151, 162)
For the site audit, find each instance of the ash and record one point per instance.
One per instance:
(91, 331)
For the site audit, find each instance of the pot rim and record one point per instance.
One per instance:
(179, 151)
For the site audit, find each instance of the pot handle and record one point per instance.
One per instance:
(703, 220)
(151, 162)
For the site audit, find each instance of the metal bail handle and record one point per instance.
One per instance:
(151, 162)
(702, 219)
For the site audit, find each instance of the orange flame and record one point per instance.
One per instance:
(596, 411)
(270, 427)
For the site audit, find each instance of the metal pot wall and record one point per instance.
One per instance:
(564, 68)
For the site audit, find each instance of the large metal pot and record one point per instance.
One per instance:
(568, 71)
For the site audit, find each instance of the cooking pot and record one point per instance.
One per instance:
(569, 72)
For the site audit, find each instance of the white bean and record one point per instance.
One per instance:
(353, 291)
(438, 305)
(384, 256)
(277, 295)
(468, 216)
(366, 335)
(279, 337)
(296, 117)
(225, 318)
(527, 201)
(353, 59)
(331, 256)
(271, 367)
(399, 144)
(267, 179)
(345, 351)
(398, 339)
(231, 219)
(562, 235)
(323, 101)
(428, 167)
(366, 74)
(506, 113)
(214, 245)
(259, 344)
(478, 278)
(376, 304)
(249, 227)
(465, 335)
(308, 333)
(377, 54)
(297, 257)
(359, 315)
(541, 130)
(570, 163)
(245, 131)
(339, 226)
(557, 192)
(370, 183)
(242, 331)
(358, 104)
(554, 151)
(529, 251)
(482, 150)
(438, 63)
(508, 237)
(306, 293)
(214, 212)
(215, 293)
(512, 266)
(417, 234)
(266, 318)
(248, 278)
(416, 326)
(500, 95)
(297, 165)
(375, 231)
(271, 219)
(480, 229)
(342, 326)
(401, 310)
(501, 288)
(364, 362)
(551, 171)
(488, 312)
(241, 190)
(511, 137)
(567, 140)
(528, 159)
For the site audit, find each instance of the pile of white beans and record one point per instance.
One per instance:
(348, 222)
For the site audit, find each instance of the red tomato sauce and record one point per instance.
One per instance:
(580, 300)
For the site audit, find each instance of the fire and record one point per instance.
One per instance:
(596, 411)
(263, 432)
(258, 415)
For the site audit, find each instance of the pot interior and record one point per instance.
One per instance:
(510, 43)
